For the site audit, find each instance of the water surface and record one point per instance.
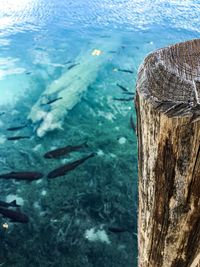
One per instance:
(51, 81)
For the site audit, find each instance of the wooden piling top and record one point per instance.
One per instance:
(168, 127)
(170, 79)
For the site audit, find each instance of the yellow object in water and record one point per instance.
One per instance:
(5, 225)
(96, 52)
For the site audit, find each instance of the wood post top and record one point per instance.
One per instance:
(170, 79)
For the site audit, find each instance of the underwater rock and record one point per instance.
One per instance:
(94, 235)
(18, 199)
(122, 140)
(2, 139)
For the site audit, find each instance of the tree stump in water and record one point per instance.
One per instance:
(168, 114)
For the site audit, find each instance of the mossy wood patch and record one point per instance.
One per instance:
(168, 126)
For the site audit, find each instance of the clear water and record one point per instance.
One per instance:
(72, 217)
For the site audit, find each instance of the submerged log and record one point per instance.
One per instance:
(168, 116)
(49, 112)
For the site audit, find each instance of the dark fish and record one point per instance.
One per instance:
(112, 52)
(53, 100)
(30, 176)
(2, 113)
(104, 36)
(68, 167)
(53, 154)
(117, 230)
(10, 204)
(129, 93)
(73, 65)
(15, 216)
(12, 138)
(123, 88)
(128, 71)
(16, 128)
(39, 48)
(28, 73)
(124, 99)
(132, 124)
(68, 62)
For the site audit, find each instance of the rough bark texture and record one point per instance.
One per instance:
(168, 112)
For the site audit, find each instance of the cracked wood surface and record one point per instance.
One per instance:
(168, 126)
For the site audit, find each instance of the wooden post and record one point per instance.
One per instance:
(168, 126)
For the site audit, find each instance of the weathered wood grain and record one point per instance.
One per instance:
(168, 127)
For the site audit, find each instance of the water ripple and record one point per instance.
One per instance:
(26, 15)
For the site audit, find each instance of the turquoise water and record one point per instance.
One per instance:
(52, 83)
